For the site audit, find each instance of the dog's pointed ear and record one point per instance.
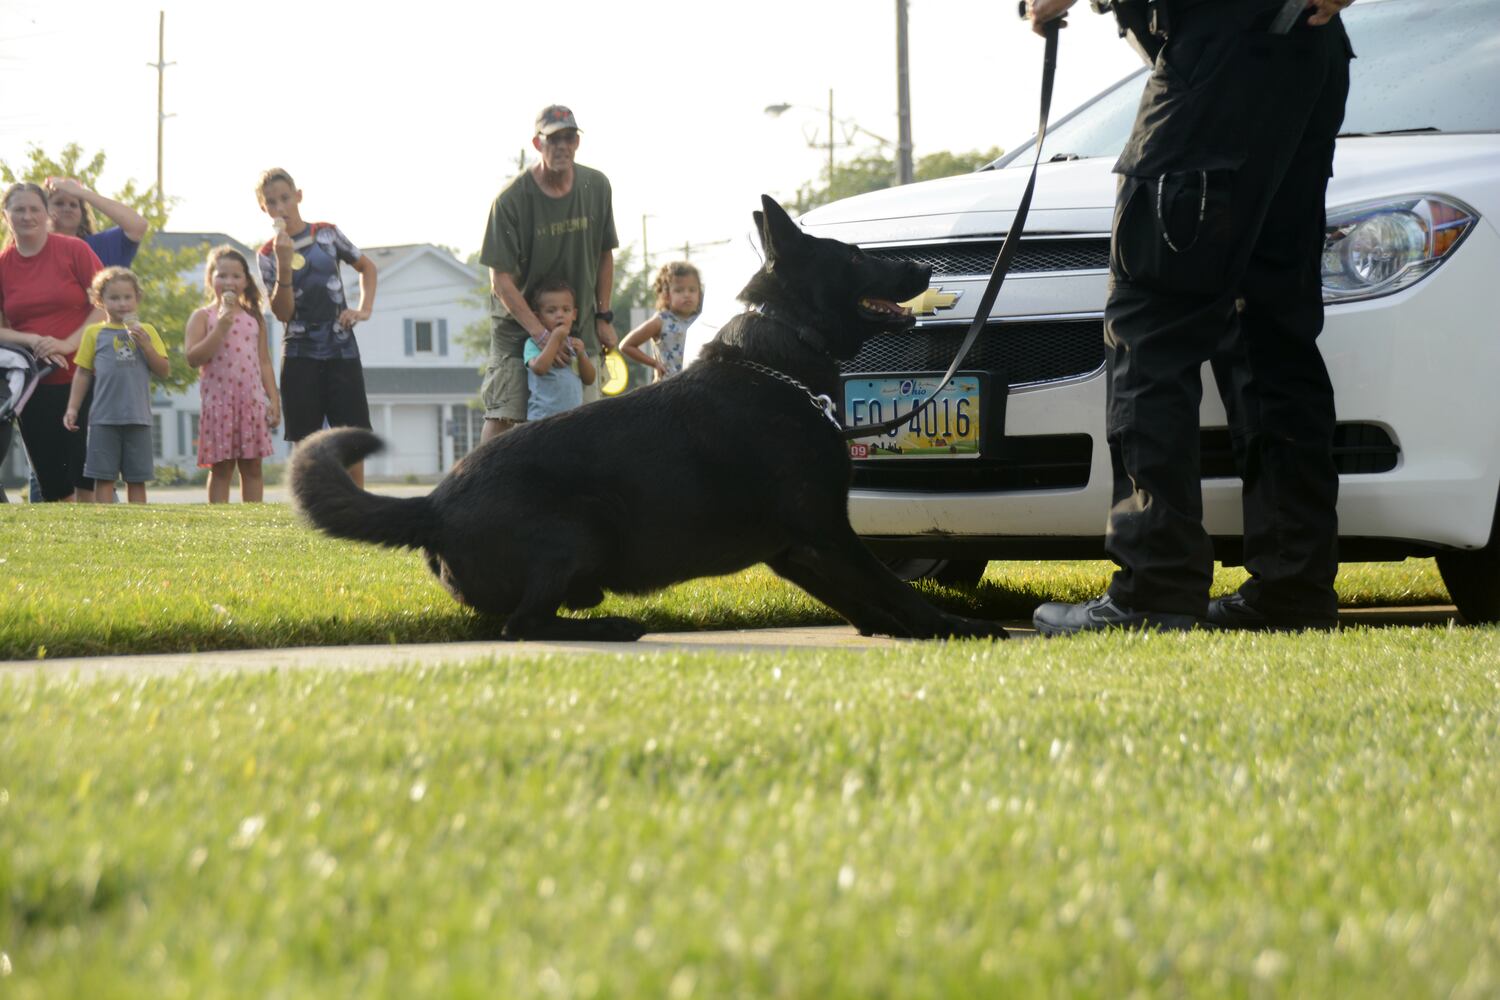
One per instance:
(777, 230)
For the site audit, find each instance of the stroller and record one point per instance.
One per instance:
(19, 375)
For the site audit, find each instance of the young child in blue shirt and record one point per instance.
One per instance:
(557, 370)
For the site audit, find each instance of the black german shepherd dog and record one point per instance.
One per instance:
(733, 462)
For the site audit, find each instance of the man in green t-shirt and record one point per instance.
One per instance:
(555, 220)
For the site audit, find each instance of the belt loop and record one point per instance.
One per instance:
(1161, 17)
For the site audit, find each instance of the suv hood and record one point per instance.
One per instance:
(1070, 196)
(1077, 196)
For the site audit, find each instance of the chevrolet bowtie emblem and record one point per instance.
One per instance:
(932, 301)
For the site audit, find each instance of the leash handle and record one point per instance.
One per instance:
(1002, 260)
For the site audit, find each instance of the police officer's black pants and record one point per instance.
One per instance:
(1243, 139)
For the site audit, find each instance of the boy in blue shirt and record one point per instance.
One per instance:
(556, 371)
(321, 377)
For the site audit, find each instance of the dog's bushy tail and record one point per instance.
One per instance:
(327, 496)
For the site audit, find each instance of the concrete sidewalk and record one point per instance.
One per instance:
(841, 637)
(412, 654)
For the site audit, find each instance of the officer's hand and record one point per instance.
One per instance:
(1042, 11)
(1327, 10)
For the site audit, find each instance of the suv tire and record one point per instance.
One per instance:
(949, 572)
(1473, 578)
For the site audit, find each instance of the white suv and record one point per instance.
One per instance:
(1412, 340)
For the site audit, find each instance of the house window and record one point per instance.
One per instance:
(156, 446)
(193, 431)
(425, 336)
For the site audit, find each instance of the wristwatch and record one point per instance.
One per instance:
(608, 315)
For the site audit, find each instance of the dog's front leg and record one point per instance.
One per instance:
(848, 567)
(867, 618)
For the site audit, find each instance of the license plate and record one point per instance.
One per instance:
(949, 428)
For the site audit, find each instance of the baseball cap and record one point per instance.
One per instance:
(555, 118)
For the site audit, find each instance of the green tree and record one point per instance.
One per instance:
(168, 299)
(876, 171)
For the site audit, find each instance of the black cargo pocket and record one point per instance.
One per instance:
(1174, 233)
(1193, 113)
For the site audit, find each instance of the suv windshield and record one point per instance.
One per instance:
(1421, 67)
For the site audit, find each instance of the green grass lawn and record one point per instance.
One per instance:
(1209, 815)
(78, 581)
(1176, 815)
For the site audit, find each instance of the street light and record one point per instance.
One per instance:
(851, 128)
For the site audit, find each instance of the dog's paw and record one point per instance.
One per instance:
(959, 627)
(615, 629)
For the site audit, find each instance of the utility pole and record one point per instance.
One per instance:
(160, 66)
(903, 100)
(830, 143)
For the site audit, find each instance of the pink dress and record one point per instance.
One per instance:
(233, 421)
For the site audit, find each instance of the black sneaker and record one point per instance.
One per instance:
(1102, 613)
(1235, 612)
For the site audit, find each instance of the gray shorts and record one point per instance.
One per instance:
(116, 449)
(504, 391)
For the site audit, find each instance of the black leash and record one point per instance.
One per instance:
(1002, 261)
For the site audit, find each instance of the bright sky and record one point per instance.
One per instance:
(401, 121)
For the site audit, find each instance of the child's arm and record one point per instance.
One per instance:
(200, 342)
(543, 362)
(367, 281)
(268, 376)
(81, 380)
(631, 346)
(156, 361)
(586, 371)
(283, 298)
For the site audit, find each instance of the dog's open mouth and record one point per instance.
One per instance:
(885, 309)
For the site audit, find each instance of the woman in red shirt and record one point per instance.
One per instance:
(44, 307)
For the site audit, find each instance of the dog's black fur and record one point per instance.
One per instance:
(706, 473)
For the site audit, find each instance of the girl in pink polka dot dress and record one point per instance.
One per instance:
(227, 340)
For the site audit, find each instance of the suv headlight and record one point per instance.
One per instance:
(1376, 248)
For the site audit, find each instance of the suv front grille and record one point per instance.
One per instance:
(1027, 352)
(950, 260)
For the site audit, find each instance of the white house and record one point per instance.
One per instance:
(419, 381)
